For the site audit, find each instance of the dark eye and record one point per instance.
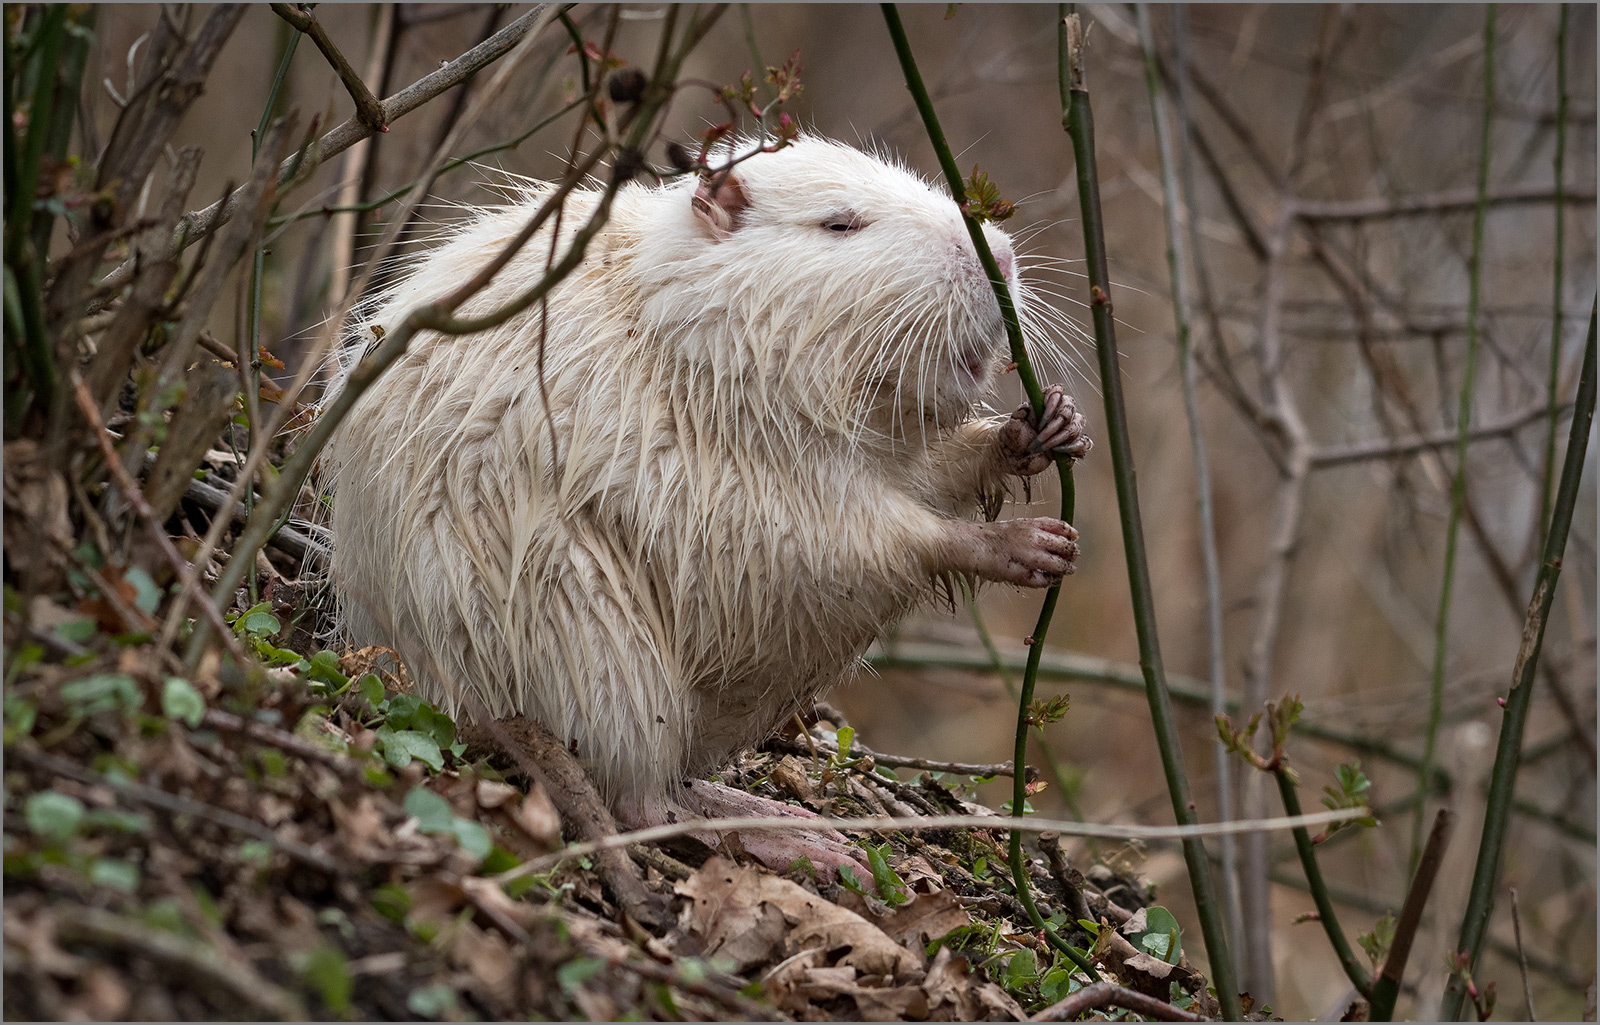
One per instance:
(843, 224)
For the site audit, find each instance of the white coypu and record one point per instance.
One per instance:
(763, 396)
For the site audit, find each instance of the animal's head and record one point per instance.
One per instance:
(837, 284)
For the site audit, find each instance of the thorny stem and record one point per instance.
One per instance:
(1030, 384)
(1503, 778)
(1080, 126)
(1556, 289)
(1458, 487)
(1181, 306)
(1319, 890)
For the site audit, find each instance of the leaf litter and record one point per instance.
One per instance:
(307, 840)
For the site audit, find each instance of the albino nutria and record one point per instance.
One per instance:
(764, 402)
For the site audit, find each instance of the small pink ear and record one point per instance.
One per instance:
(719, 202)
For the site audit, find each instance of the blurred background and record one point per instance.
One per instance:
(1332, 156)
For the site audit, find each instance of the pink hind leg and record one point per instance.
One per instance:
(827, 849)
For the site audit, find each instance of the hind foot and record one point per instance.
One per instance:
(827, 849)
(1028, 443)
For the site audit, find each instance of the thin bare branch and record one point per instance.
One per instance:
(1396, 448)
(1452, 201)
(201, 223)
(368, 110)
(1099, 995)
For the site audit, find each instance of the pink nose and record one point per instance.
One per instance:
(1006, 261)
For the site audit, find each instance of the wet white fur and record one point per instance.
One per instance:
(763, 439)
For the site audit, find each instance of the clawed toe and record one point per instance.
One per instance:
(1031, 440)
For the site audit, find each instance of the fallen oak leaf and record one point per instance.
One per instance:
(729, 902)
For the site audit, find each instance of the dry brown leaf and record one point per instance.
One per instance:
(360, 827)
(36, 508)
(385, 662)
(36, 936)
(918, 874)
(537, 817)
(103, 997)
(489, 959)
(891, 1003)
(727, 911)
(928, 917)
(955, 995)
(790, 776)
(435, 901)
(492, 794)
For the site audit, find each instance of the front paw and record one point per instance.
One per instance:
(1034, 552)
(1028, 443)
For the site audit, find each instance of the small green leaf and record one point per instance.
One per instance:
(891, 888)
(436, 1001)
(1056, 985)
(258, 621)
(20, 714)
(392, 901)
(256, 852)
(400, 746)
(472, 837)
(576, 972)
(165, 914)
(1022, 970)
(847, 736)
(117, 820)
(1377, 942)
(431, 811)
(115, 873)
(497, 860)
(1161, 935)
(327, 972)
(146, 595)
(179, 700)
(102, 692)
(324, 667)
(77, 631)
(850, 881)
(53, 815)
(372, 689)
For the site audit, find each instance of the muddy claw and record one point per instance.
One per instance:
(1028, 443)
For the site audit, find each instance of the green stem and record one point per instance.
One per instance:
(1080, 126)
(1458, 487)
(1358, 976)
(25, 280)
(1503, 778)
(257, 271)
(272, 95)
(758, 64)
(1057, 770)
(1555, 301)
(19, 219)
(1209, 561)
(1030, 385)
(67, 82)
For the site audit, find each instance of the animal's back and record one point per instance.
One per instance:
(762, 408)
